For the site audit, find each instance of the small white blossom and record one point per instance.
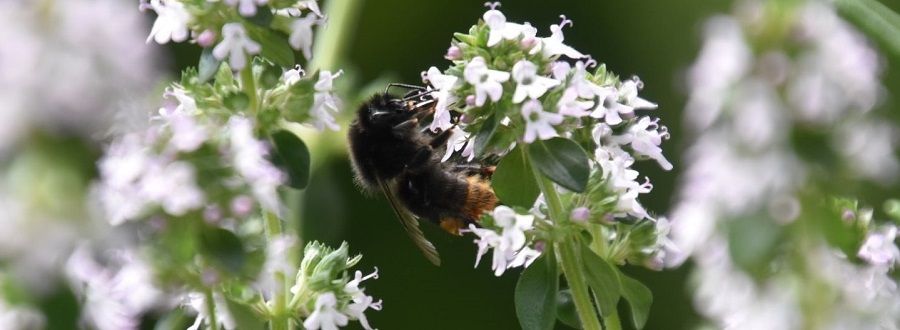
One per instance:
(528, 82)
(173, 186)
(251, 162)
(628, 94)
(247, 8)
(444, 95)
(292, 76)
(585, 88)
(186, 104)
(553, 45)
(509, 246)
(539, 123)
(570, 105)
(187, 135)
(171, 22)
(301, 37)
(235, 45)
(487, 82)
(879, 248)
(361, 301)
(501, 29)
(645, 136)
(459, 139)
(197, 302)
(325, 316)
(325, 102)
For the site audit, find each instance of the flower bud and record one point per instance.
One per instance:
(453, 53)
(206, 38)
(580, 214)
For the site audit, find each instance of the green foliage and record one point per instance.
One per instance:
(563, 161)
(753, 242)
(292, 156)
(639, 299)
(535, 294)
(208, 65)
(274, 44)
(565, 309)
(603, 280)
(512, 180)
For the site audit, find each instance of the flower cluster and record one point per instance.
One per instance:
(780, 105)
(160, 172)
(236, 29)
(326, 293)
(509, 89)
(510, 248)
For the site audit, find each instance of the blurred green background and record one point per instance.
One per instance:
(396, 40)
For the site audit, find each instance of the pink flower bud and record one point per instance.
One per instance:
(470, 100)
(453, 53)
(206, 38)
(580, 214)
(241, 205)
(527, 43)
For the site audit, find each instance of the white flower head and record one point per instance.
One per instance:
(235, 45)
(645, 136)
(500, 29)
(325, 102)
(444, 95)
(528, 82)
(173, 186)
(301, 37)
(187, 134)
(292, 76)
(570, 105)
(487, 82)
(247, 8)
(460, 140)
(539, 123)
(553, 45)
(186, 104)
(171, 22)
(509, 245)
(879, 248)
(250, 160)
(628, 95)
(325, 316)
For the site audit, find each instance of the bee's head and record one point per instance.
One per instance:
(383, 111)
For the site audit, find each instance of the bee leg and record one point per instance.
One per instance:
(405, 128)
(441, 138)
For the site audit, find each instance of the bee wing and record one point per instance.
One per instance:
(411, 225)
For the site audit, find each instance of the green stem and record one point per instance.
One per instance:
(567, 253)
(280, 317)
(333, 38)
(210, 309)
(876, 17)
(249, 86)
(577, 283)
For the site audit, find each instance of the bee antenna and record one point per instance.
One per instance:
(418, 95)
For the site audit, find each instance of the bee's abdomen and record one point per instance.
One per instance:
(480, 198)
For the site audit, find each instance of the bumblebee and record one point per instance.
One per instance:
(391, 152)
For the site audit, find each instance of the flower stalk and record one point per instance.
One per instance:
(210, 309)
(280, 318)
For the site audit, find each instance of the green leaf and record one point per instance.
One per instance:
(208, 65)
(224, 248)
(513, 181)
(565, 309)
(224, 77)
(292, 155)
(174, 320)
(536, 294)
(483, 138)
(563, 161)
(274, 45)
(262, 18)
(753, 242)
(603, 280)
(892, 209)
(244, 317)
(639, 299)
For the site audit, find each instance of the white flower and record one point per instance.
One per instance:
(235, 45)
(645, 136)
(570, 105)
(246, 7)
(500, 29)
(444, 95)
(538, 123)
(528, 82)
(553, 45)
(879, 248)
(171, 21)
(325, 316)
(585, 88)
(361, 301)
(628, 94)
(114, 297)
(325, 102)
(197, 302)
(250, 160)
(459, 139)
(173, 186)
(486, 81)
(509, 246)
(186, 104)
(621, 101)
(187, 135)
(301, 37)
(292, 76)
(20, 317)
